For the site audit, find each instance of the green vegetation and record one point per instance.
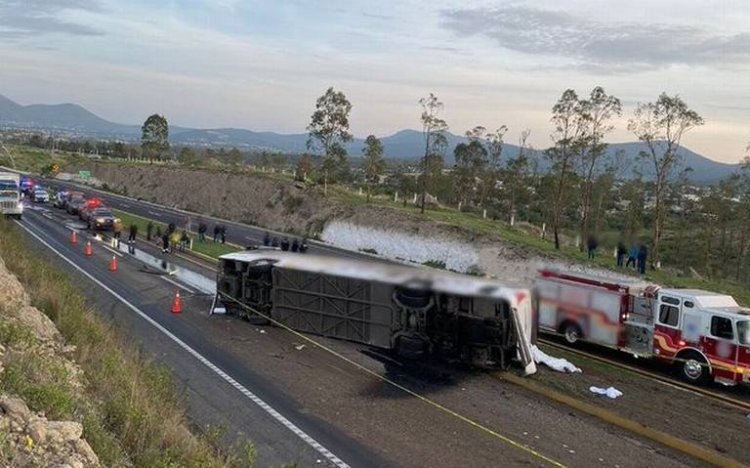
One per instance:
(129, 406)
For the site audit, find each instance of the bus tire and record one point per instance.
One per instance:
(693, 368)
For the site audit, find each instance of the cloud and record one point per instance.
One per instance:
(26, 18)
(596, 46)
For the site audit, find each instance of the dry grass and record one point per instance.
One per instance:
(129, 409)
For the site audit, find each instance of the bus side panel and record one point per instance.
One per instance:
(329, 305)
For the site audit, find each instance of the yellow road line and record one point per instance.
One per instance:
(518, 445)
(704, 454)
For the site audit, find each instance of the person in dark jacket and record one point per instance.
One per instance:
(303, 246)
(223, 234)
(591, 245)
(285, 244)
(621, 252)
(131, 238)
(632, 255)
(266, 239)
(642, 258)
(202, 228)
(295, 246)
(165, 242)
(217, 231)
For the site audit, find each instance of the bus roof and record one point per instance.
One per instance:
(402, 275)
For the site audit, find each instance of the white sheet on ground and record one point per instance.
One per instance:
(558, 364)
(610, 392)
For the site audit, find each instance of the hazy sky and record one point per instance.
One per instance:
(261, 64)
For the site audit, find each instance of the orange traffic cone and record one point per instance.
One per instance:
(113, 263)
(177, 304)
(87, 251)
(73, 238)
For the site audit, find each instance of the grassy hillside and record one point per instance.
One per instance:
(128, 408)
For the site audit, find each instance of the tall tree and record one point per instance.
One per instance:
(489, 171)
(744, 216)
(569, 128)
(305, 167)
(329, 132)
(596, 111)
(374, 164)
(516, 181)
(470, 161)
(155, 137)
(660, 126)
(435, 141)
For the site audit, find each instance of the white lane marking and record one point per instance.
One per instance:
(125, 205)
(226, 377)
(119, 254)
(154, 214)
(182, 286)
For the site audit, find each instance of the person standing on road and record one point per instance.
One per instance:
(131, 238)
(174, 241)
(165, 243)
(217, 231)
(117, 228)
(202, 228)
(642, 257)
(266, 239)
(285, 244)
(223, 234)
(149, 231)
(295, 245)
(184, 241)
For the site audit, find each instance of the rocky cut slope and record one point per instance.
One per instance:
(34, 360)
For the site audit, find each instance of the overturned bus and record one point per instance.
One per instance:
(410, 310)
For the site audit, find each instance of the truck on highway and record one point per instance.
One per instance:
(412, 311)
(705, 336)
(10, 195)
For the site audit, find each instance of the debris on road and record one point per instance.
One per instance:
(610, 392)
(299, 347)
(557, 364)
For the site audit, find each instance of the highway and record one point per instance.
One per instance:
(237, 233)
(310, 407)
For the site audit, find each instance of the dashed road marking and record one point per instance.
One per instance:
(181, 286)
(330, 456)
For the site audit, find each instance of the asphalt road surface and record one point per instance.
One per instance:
(316, 409)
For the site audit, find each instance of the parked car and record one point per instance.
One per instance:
(101, 219)
(61, 199)
(90, 204)
(76, 201)
(39, 195)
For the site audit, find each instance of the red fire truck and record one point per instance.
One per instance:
(705, 335)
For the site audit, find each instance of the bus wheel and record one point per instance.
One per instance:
(572, 332)
(693, 368)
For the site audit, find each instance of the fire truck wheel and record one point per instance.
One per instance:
(572, 332)
(693, 368)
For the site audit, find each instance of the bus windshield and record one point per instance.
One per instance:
(743, 331)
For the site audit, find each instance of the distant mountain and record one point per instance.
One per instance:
(405, 144)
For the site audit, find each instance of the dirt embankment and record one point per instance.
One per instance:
(28, 338)
(277, 204)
